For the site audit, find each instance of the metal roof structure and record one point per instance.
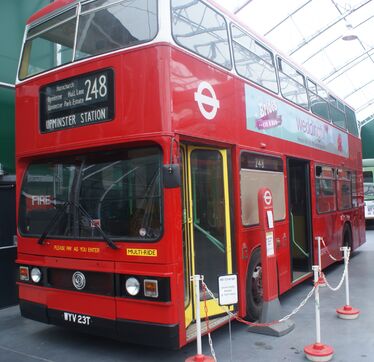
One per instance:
(332, 39)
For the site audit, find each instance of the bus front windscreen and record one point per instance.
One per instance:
(119, 192)
(90, 28)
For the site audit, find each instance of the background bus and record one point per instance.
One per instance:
(147, 140)
(368, 170)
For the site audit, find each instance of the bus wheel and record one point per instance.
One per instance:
(347, 237)
(254, 287)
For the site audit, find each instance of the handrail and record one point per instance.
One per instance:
(211, 238)
(7, 85)
(293, 238)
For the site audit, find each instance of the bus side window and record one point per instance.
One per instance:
(261, 171)
(318, 105)
(209, 39)
(292, 84)
(325, 189)
(344, 190)
(253, 61)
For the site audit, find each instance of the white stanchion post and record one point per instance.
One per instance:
(196, 282)
(321, 280)
(345, 250)
(316, 303)
(319, 254)
(199, 357)
(347, 311)
(318, 351)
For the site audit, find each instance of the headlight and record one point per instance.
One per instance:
(36, 275)
(132, 286)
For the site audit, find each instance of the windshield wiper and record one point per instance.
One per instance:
(58, 215)
(97, 227)
(53, 222)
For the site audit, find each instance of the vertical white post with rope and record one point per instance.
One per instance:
(318, 351)
(199, 357)
(321, 281)
(347, 311)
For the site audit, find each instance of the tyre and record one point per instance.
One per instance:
(254, 291)
(347, 238)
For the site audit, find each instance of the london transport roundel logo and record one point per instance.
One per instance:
(207, 100)
(79, 280)
(267, 198)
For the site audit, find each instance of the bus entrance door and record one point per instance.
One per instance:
(206, 224)
(300, 217)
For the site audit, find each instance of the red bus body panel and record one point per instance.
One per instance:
(155, 88)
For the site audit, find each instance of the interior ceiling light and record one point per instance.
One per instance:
(349, 33)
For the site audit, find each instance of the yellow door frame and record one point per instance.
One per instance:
(186, 236)
(212, 305)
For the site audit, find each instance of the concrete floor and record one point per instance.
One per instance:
(28, 341)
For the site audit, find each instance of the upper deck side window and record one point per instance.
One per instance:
(202, 30)
(318, 104)
(292, 84)
(337, 112)
(100, 27)
(253, 61)
(351, 121)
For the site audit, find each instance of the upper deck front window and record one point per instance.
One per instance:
(101, 26)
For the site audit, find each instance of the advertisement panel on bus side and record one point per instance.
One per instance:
(270, 116)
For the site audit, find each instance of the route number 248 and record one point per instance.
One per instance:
(96, 88)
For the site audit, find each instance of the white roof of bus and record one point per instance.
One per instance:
(368, 162)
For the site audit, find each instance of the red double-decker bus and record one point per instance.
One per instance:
(144, 131)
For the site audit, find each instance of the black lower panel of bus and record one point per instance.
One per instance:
(151, 334)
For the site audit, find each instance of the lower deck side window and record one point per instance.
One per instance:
(259, 171)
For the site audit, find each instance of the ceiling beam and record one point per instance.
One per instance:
(319, 50)
(336, 73)
(287, 17)
(241, 7)
(328, 26)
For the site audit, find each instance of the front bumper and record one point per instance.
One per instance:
(151, 334)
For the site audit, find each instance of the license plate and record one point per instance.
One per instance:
(77, 318)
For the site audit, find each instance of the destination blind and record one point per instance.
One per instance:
(79, 101)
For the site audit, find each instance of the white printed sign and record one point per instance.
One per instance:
(270, 218)
(228, 289)
(269, 243)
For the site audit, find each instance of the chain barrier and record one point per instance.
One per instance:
(288, 316)
(328, 251)
(241, 320)
(212, 351)
(231, 315)
(334, 289)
